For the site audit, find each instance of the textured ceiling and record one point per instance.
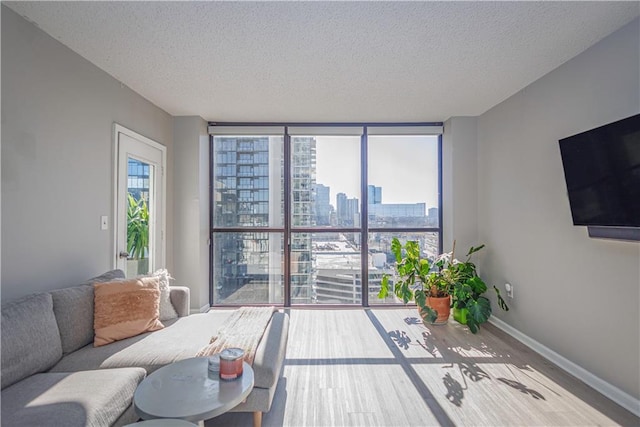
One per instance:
(327, 61)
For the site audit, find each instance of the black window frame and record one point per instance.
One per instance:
(287, 228)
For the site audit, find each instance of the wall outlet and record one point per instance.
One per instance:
(104, 222)
(509, 288)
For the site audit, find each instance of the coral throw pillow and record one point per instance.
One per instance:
(125, 309)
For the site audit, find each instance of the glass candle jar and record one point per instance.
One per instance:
(231, 363)
(214, 363)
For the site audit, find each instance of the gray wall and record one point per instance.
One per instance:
(191, 210)
(459, 189)
(58, 112)
(576, 295)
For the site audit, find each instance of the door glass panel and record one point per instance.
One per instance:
(325, 181)
(248, 268)
(138, 213)
(325, 268)
(248, 181)
(403, 181)
(382, 260)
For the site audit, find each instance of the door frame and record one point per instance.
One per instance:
(160, 225)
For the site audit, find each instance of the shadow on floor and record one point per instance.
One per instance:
(454, 346)
(273, 418)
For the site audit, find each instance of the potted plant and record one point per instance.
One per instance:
(137, 236)
(470, 307)
(421, 281)
(439, 285)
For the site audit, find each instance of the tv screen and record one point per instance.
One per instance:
(602, 172)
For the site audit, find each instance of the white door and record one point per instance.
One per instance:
(140, 203)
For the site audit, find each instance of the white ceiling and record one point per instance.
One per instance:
(327, 61)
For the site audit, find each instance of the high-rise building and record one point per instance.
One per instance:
(398, 210)
(348, 211)
(341, 207)
(323, 205)
(249, 175)
(433, 217)
(344, 286)
(394, 214)
(245, 197)
(303, 213)
(374, 195)
(353, 211)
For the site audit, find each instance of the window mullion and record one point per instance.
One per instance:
(364, 221)
(287, 218)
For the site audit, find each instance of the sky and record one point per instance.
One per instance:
(406, 167)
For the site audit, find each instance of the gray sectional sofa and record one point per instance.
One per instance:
(53, 376)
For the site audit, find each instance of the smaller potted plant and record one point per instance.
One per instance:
(470, 307)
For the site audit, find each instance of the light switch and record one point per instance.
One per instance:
(104, 222)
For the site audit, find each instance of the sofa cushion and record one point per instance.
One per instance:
(125, 309)
(30, 338)
(73, 308)
(180, 339)
(88, 398)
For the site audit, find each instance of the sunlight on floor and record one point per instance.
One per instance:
(384, 367)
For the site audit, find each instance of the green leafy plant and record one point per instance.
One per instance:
(468, 290)
(417, 278)
(137, 227)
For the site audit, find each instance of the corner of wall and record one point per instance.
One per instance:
(191, 207)
(459, 182)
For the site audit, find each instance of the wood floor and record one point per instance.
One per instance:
(383, 367)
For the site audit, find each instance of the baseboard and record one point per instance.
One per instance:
(205, 308)
(612, 392)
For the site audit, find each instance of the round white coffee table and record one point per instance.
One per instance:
(188, 391)
(162, 422)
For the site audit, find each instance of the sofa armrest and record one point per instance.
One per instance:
(180, 298)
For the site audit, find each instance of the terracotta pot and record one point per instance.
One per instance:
(442, 306)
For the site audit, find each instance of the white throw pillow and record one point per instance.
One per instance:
(166, 308)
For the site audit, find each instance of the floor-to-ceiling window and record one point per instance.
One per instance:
(304, 214)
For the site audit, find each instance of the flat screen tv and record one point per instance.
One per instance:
(602, 172)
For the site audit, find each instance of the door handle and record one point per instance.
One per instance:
(124, 254)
